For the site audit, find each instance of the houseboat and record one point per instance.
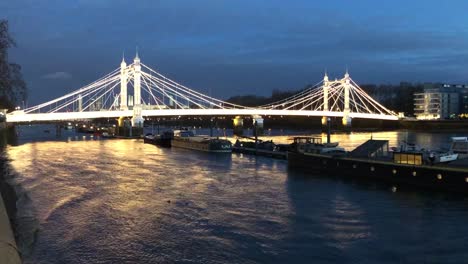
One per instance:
(373, 160)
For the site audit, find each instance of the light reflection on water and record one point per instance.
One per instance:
(115, 201)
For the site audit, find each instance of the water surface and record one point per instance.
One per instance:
(122, 201)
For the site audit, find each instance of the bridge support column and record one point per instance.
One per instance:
(347, 121)
(238, 126)
(324, 121)
(80, 103)
(58, 130)
(137, 119)
(258, 125)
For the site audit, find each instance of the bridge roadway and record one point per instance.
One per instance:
(21, 117)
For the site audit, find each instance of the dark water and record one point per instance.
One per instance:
(120, 201)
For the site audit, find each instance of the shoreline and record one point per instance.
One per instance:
(9, 252)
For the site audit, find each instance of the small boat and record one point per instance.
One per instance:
(446, 157)
(429, 156)
(163, 140)
(106, 135)
(187, 139)
(459, 145)
(314, 145)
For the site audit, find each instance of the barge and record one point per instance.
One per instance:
(372, 160)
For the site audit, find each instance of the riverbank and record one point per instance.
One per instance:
(8, 249)
(452, 125)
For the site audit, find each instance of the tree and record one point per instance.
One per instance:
(12, 86)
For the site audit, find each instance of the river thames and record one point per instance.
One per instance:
(86, 200)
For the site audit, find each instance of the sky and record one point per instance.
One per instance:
(237, 47)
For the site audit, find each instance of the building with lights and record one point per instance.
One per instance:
(441, 101)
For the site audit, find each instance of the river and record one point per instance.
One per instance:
(85, 200)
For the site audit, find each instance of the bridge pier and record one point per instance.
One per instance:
(58, 130)
(346, 121)
(238, 123)
(258, 125)
(127, 130)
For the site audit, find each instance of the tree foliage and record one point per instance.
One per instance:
(12, 86)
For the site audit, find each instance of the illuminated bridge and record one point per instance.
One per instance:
(154, 95)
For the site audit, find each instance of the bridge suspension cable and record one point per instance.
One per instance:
(313, 98)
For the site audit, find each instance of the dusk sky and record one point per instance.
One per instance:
(238, 47)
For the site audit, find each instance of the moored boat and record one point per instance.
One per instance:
(373, 160)
(430, 156)
(459, 145)
(163, 140)
(188, 140)
(261, 148)
(107, 135)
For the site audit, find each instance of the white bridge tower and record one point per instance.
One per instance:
(326, 88)
(346, 110)
(137, 119)
(123, 85)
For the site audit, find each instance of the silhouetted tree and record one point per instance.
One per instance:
(12, 87)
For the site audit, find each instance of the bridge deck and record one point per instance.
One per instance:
(18, 117)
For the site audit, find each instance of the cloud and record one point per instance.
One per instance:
(57, 76)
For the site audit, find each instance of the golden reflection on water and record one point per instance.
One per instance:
(347, 140)
(124, 186)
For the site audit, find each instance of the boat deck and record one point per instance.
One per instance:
(261, 152)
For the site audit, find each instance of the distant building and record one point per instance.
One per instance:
(441, 101)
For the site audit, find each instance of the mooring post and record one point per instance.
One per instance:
(158, 125)
(58, 131)
(211, 126)
(256, 136)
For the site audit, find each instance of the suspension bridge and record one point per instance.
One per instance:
(155, 95)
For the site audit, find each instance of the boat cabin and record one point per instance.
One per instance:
(459, 145)
(372, 148)
(183, 133)
(408, 158)
(307, 140)
(314, 145)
